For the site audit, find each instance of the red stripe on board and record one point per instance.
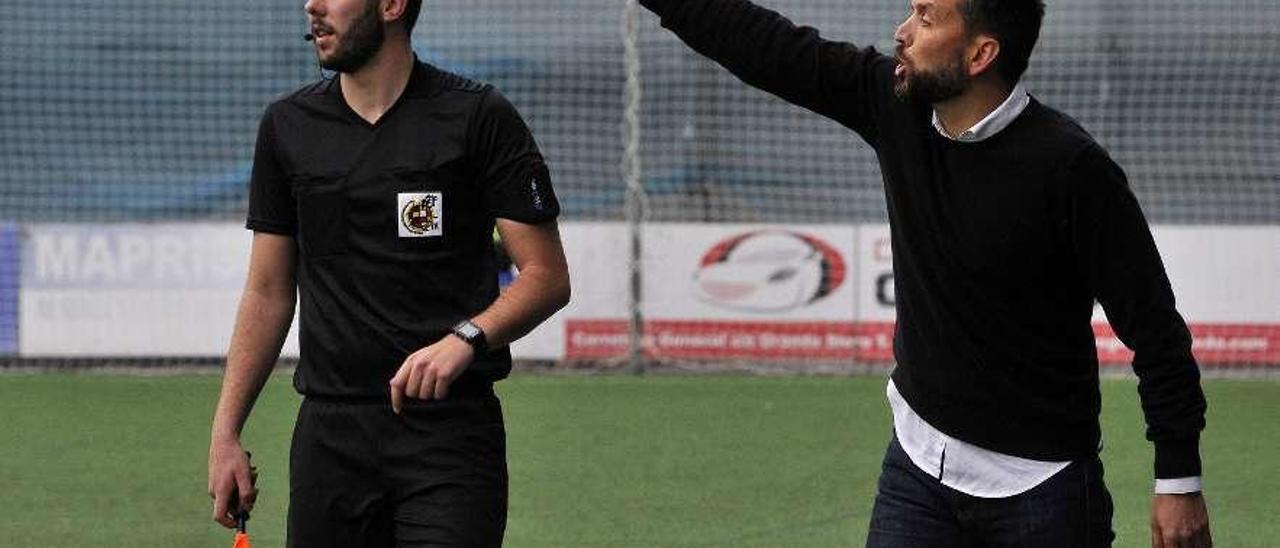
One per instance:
(864, 341)
(1211, 343)
(734, 340)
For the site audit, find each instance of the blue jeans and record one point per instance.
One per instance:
(913, 509)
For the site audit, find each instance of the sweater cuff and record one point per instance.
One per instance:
(1178, 458)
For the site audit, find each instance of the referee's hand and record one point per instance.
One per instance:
(427, 373)
(231, 481)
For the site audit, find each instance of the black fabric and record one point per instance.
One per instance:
(362, 476)
(1000, 249)
(369, 295)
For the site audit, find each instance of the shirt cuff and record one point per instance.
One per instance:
(1179, 486)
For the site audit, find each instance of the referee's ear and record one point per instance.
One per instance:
(394, 11)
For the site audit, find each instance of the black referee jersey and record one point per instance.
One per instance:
(393, 220)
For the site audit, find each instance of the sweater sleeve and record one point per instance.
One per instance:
(761, 47)
(1123, 266)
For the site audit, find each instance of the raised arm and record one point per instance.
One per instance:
(835, 79)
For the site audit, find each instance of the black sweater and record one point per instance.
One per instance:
(1000, 249)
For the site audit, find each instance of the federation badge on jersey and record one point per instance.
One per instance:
(420, 214)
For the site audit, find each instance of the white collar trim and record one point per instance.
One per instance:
(994, 122)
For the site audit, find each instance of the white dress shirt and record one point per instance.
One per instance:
(1000, 118)
(962, 466)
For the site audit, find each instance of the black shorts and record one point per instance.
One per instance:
(362, 476)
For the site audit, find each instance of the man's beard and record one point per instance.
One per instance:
(362, 42)
(933, 87)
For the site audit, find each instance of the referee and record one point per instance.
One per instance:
(1008, 222)
(374, 196)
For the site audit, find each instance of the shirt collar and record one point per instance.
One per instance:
(994, 122)
(422, 80)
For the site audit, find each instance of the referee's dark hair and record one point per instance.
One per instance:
(411, 10)
(1013, 23)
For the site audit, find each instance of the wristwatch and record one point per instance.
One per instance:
(471, 334)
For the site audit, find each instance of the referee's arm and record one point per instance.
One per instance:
(541, 289)
(262, 322)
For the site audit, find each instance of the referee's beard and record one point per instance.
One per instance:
(361, 42)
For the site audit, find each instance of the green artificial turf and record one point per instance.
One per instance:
(113, 461)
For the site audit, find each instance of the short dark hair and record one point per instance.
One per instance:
(1013, 23)
(411, 10)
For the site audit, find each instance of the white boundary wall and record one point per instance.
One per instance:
(765, 292)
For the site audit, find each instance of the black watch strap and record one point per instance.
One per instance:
(471, 333)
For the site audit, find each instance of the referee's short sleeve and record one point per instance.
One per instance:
(512, 172)
(271, 203)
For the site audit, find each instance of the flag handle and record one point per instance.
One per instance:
(242, 514)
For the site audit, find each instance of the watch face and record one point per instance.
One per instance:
(468, 330)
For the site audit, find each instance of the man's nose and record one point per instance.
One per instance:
(902, 34)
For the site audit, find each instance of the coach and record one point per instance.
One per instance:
(374, 196)
(1008, 222)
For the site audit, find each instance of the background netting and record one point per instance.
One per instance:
(146, 109)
